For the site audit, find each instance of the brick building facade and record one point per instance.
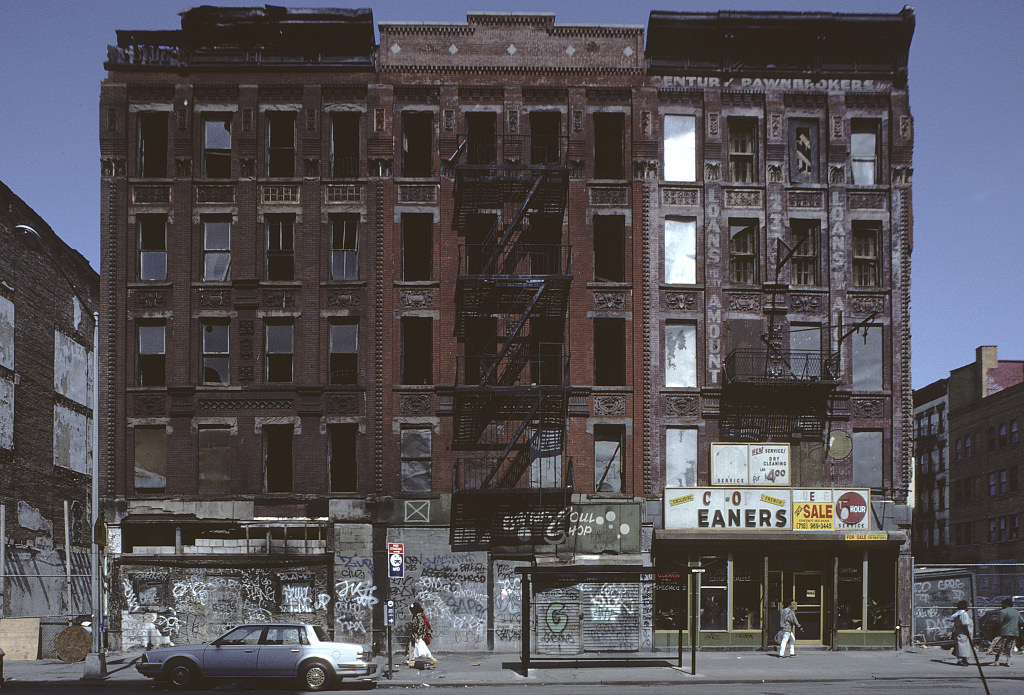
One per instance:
(48, 293)
(501, 295)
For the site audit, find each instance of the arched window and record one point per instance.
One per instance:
(968, 447)
(1002, 434)
(959, 450)
(1013, 432)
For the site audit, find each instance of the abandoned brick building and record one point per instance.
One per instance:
(48, 293)
(510, 317)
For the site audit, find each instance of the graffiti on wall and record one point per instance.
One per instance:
(355, 595)
(508, 605)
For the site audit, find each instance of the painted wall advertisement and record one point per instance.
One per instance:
(760, 508)
(750, 464)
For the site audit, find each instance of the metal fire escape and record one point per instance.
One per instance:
(510, 401)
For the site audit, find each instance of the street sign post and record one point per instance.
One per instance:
(396, 560)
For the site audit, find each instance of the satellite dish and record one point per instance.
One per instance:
(839, 444)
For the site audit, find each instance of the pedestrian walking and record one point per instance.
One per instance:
(963, 632)
(420, 636)
(788, 623)
(1010, 626)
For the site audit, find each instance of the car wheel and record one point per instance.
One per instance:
(181, 673)
(315, 676)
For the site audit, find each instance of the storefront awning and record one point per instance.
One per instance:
(780, 536)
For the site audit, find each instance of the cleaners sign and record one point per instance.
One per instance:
(727, 508)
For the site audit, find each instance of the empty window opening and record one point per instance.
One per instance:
(481, 138)
(280, 247)
(280, 352)
(152, 145)
(545, 134)
(152, 247)
(214, 459)
(417, 143)
(609, 352)
(280, 144)
(344, 247)
(217, 248)
(743, 150)
(417, 247)
(864, 157)
(548, 341)
(152, 357)
(277, 457)
(150, 459)
(344, 144)
(216, 363)
(681, 251)
(803, 150)
(680, 148)
(217, 146)
(342, 439)
(609, 443)
(344, 356)
(743, 262)
(609, 146)
(417, 350)
(609, 248)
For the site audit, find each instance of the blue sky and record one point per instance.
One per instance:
(966, 66)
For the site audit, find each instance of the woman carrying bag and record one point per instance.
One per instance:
(420, 637)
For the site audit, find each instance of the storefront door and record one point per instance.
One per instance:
(806, 589)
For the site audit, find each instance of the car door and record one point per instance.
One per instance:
(234, 654)
(281, 649)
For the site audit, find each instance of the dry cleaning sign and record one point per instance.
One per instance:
(727, 508)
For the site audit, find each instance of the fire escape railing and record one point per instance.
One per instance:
(778, 367)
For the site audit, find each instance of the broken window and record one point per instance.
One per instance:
(152, 154)
(681, 457)
(864, 155)
(216, 362)
(865, 253)
(804, 235)
(866, 344)
(417, 350)
(152, 247)
(150, 459)
(342, 440)
(345, 144)
(277, 457)
(743, 150)
(344, 247)
(214, 458)
(548, 338)
(680, 148)
(152, 355)
(803, 150)
(416, 463)
(280, 351)
(681, 353)
(280, 144)
(546, 445)
(609, 248)
(417, 247)
(609, 146)
(280, 247)
(217, 145)
(609, 443)
(344, 356)
(609, 352)
(216, 248)
(545, 132)
(481, 138)
(743, 261)
(417, 143)
(681, 251)
(805, 350)
(867, 459)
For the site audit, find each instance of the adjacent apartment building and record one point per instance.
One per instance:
(516, 318)
(48, 293)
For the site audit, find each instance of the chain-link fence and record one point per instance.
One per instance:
(938, 588)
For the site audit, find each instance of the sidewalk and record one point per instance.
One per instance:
(465, 670)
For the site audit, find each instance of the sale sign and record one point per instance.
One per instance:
(812, 510)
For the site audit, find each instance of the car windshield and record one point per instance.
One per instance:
(320, 634)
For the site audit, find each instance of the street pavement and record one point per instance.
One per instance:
(458, 670)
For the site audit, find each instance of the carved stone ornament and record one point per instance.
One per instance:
(278, 298)
(806, 199)
(837, 174)
(247, 167)
(150, 299)
(609, 405)
(867, 200)
(610, 300)
(416, 404)
(645, 170)
(379, 122)
(686, 301)
(577, 122)
(380, 168)
(114, 167)
(713, 129)
(903, 175)
(312, 167)
(807, 303)
(245, 346)
(342, 403)
(149, 406)
(837, 127)
(774, 173)
(682, 406)
(680, 196)
(245, 374)
(645, 122)
(449, 120)
(417, 194)
(183, 168)
(412, 299)
(865, 304)
(617, 196)
(775, 126)
(246, 404)
(214, 299)
(712, 171)
(742, 198)
(745, 302)
(868, 408)
(340, 299)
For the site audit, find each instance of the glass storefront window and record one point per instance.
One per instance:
(851, 590)
(747, 575)
(881, 591)
(714, 592)
(670, 602)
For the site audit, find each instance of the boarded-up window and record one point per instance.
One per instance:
(6, 333)
(867, 459)
(277, 457)
(609, 248)
(214, 459)
(680, 353)
(416, 463)
(680, 148)
(867, 358)
(680, 457)
(609, 352)
(342, 440)
(681, 251)
(150, 459)
(609, 442)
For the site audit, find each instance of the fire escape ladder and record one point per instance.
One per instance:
(511, 444)
(501, 247)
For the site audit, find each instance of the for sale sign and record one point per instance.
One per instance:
(812, 510)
